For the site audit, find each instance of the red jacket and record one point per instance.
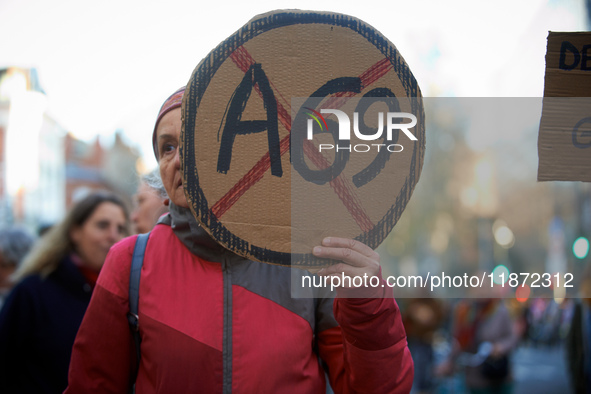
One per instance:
(225, 324)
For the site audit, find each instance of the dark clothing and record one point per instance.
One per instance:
(422, 317)
(578, 348)
(38, 324)
(422, 356)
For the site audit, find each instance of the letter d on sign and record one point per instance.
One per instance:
(568, 47)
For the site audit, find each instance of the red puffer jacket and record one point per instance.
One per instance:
(221, 324)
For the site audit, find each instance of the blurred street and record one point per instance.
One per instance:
(540, 370)
(535, 370)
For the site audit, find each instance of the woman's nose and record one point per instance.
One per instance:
(114, 234)
(177, 159)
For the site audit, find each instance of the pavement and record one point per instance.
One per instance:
(540, 370)
(536, 370)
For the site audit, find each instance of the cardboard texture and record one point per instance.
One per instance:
(564, 142)
(237, 142)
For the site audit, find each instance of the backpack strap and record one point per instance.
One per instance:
(134, 292)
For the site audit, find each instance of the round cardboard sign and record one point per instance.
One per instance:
(301, 125)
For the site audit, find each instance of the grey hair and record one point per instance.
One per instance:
(15, 243)
(153, 180)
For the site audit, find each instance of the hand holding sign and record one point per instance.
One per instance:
(357, 259)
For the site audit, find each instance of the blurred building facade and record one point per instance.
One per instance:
(43, 168)
(90, 166)
(31, 152)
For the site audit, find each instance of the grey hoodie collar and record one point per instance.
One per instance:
(194, 237)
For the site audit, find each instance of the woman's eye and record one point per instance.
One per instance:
(167, 148)
(103, 225)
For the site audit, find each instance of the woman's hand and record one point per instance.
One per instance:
(357, 259)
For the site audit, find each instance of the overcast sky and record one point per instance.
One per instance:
(108, 65)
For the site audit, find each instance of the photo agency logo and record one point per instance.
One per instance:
(331, 134)
(394, 123)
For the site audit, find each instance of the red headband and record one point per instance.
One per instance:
(174, 101)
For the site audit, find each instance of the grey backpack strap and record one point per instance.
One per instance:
(134, 292)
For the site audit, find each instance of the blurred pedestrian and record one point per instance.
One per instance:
(14, 245)
(578, 340)
(42, 313)
(151, 202)
(484, 337)
(422, 317)
(578, 347)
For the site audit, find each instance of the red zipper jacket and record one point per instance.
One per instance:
(213, 322)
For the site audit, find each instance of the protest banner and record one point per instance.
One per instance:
(257, 168)
(564, 141)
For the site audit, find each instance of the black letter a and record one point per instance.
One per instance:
(234, 124)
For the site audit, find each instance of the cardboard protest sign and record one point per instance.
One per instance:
(278, 147)
(564, 142)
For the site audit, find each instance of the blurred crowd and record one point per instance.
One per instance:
(46, 282)
(475, 340)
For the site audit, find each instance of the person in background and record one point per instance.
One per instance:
(483, 326)
(42, 313)
(422, 317)
(578, 340)
(211, 321)
(151, 202)
(14, 245)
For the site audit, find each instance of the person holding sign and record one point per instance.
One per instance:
(212, 321)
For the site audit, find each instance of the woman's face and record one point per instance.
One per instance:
(103, 228)
(149, 207)
(168, 134)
